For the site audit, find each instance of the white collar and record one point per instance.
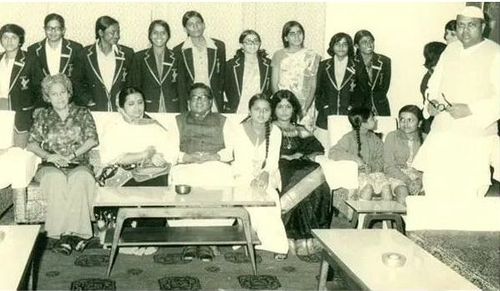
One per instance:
(115, 48)
(58, 48)
(472, 49)
(209, 43)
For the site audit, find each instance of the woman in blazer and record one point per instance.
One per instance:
(373, 72)
(105, 67)
(247, 74)
(154, 71)
(20, 78)
(336, 83)
(69, 51)
(192, 54)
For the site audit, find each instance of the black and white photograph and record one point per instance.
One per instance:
(228, 145)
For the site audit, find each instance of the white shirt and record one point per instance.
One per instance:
(250, 85)
(200, 62)
(107, 65)
(5, 74)
(53, 57)
(340, 67)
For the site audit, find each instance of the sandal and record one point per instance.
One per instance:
(280, 257)
(63, 246)
(189, 253)
(205, 254)
(81, 244)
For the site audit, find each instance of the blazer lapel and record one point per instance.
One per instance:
(19, 63)
(264, 70)
(212, 61)
(187, 55)
(66, 52)
(168, 63)
(42, 56)
(120, 59)
(349, 73)
(330, 71)
(150, 61)
(92, 58)
(238, 75)
(376, 69)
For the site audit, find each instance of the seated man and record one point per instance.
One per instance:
(205, 151)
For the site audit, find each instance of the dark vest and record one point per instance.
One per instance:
(201, 135)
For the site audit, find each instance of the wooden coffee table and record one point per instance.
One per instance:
(359, 254)
(16, 249)
(367, 211)
(155, 202)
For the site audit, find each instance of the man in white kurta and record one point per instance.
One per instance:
(456, 155)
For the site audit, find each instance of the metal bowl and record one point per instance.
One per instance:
(182, 189)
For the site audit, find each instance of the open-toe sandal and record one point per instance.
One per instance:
(189, 253)
(82, 244)
(280, 257)
(63, 246)
(205, 254)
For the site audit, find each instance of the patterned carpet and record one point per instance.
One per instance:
(166, 271)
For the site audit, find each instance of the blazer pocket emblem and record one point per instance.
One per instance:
(124, 75)
(70, 70)
(174, 75)
(24, 82)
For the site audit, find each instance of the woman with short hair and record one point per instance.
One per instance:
(106, 65)
(62, 136)
(247, 73)
(154, 71)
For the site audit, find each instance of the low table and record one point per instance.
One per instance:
(359, 254)
(16, 249)
(367, 211)
(150, 202)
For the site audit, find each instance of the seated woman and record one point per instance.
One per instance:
(298, 150)
(142, 146)
(400, 148)
(62, 135)
(364, 147)
(256, 155)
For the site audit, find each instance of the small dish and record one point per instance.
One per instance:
(394, 260)
(182, 189)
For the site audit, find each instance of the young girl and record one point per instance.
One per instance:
(400, 148)
(362, 146)
(295, 68)
(257, 145)
(247, 74)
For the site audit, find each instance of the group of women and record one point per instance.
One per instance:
(107, 76)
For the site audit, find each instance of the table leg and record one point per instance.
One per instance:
(120, 219)
(323, 273)
(361, 220)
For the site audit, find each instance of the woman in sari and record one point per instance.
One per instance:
(300, 174)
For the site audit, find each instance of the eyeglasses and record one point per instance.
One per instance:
(53, 29)
(252, 42)
(439, 106)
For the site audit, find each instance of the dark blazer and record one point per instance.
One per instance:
(144, 76)
(24, 89)
(216, 65)
(233, 80)
(70, 52)
(94, 94)
(333, 98)
(373, 93)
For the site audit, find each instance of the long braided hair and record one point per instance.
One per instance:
(252, 101)
(357, 116)
(415, 110)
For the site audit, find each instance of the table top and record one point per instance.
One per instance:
(360, 252)
(166, 196)
(15, 252)
(376, 206)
